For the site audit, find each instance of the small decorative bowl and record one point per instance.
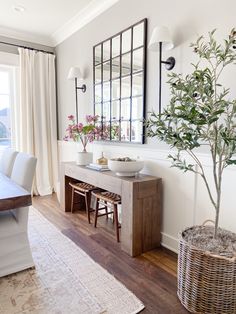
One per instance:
(125, 168)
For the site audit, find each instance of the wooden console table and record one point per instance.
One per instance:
(141, 204)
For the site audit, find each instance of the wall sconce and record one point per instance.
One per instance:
(160, 39)
(75, 74)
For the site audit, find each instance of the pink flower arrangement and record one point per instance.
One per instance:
(86, 133)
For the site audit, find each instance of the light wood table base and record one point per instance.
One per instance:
(141, 199)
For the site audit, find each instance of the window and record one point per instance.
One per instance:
(6, 104)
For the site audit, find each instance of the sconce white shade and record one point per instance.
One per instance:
(160, 34)
(74, 72)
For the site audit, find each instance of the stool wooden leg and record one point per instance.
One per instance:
(87, 204)
(96, 213)
(72, 200)
(106, 211)
(116, 222)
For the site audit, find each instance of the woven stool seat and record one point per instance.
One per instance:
(108, 200)
(82, 187)
(108, 197)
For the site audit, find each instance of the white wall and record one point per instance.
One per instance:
(185, 198)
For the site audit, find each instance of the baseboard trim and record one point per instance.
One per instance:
(170, 242)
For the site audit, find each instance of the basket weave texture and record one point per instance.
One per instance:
(206, 282)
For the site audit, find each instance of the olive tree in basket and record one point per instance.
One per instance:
(202, 112)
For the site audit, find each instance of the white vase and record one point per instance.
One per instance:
(84, 158)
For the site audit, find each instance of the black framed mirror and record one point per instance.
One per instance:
(119, 68)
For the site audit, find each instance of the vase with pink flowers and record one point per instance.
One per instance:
(84, 133)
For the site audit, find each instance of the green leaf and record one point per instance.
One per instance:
(200, 111)
(231, 162)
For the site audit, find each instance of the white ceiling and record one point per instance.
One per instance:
(48, 22)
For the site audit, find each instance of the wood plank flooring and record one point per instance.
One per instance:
(151, 276)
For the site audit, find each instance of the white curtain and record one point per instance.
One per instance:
(36, 116)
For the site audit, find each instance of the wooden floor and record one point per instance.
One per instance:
(151, 277)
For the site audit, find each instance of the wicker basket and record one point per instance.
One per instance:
(206, 282)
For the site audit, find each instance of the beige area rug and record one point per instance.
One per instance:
(66, 280)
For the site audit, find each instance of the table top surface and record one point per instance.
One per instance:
(12, 195)
(140, 177)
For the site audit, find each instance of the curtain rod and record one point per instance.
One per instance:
(25, 47)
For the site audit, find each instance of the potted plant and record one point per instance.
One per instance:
(200, 113)
(83, 133)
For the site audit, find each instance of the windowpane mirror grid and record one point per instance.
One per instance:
(98, 74)
(98, 54)
(126, 64)
(136, 131)
(115, 67)
(106, 71)
(137, 108)
(106, 91)
(126, 41)
(138, 36)
(116, 89)
(106, 112)
(106, 50)
(125, 131)
(138, 60)
(126, 86)
(115, 110)
(115, 46)
(98, 93)
(98, 124)
(137, 83)
(125, 109)
(106, 131)
(115, 131)
(98, 110)
(119, 84)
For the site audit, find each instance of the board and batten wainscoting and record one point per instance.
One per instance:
(185, 199)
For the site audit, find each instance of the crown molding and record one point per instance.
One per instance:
(86, 15)
(25, 36)
(90, 12)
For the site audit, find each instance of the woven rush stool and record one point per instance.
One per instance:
(83, 189)
(108, 200)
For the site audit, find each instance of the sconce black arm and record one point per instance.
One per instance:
(169, 65)
(83, 89)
